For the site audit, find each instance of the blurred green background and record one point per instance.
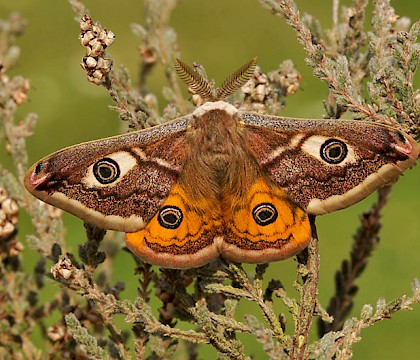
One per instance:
(221, 35)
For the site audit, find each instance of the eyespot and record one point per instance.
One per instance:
(333, 151)
(170, 217)
(106, 171)
(264, 214)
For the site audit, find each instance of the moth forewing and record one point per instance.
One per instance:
(363, 157)
(146, 165)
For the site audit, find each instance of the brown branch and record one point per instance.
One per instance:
(309, 260)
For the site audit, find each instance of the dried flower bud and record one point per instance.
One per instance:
(9, 212)
(104, 64)
(90, 62)
(261, 91)
(287, 78)
(257, 89)
(95, 48)
(63, 268)
(108, 38)
(14, 247)
(7, 229)
(86, 38)
(18, 88)
(98, 74)
(96, 28)
(86, 23)
(4, 79)
(10, 207)
(392, 17)
(56, 332)
(148, 55)
(403, 24)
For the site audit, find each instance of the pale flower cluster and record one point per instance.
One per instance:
(95, 39)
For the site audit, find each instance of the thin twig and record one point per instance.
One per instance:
(365, 242)
(308, 299)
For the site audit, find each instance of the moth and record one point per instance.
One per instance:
(221, 181)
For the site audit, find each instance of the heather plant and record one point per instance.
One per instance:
(370, 76)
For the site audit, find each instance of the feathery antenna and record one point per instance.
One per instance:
(200, 86)
(194, 80)
(236, 79)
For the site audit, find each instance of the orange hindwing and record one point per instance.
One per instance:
(182, 233)
(264, 226)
